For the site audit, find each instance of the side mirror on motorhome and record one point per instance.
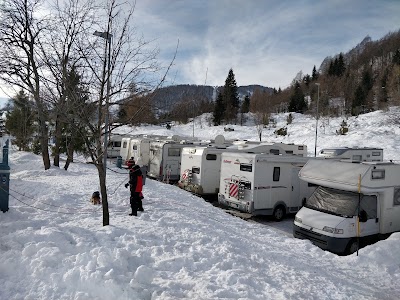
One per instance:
(363, 216)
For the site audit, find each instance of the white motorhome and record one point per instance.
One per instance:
(165, 159)
(355, 154)
(354, 202)
(293, 149)
(138, 148)
(263, 184)
(114, 145)
(201, 165)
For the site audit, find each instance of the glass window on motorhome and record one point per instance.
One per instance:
(357, 157)
(342, 203)
(195, 170)
(124, 145)
(369, 204)
(211, 157)
(376, 153)
(378, 174)
(134, 147)
(396, 198)
(274, 151)
(246, 167)
(117, 144)
(174, 151)
(277, 173)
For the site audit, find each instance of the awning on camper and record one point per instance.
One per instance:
(336, 174)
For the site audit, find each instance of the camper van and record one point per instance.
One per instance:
(354, 202)
(355, 154)
(138, 148)
(114, 145)
(263, 184)
(201, 165)
(165, 159)
(293, 149)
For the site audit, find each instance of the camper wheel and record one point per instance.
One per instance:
(352, 246)
(279, 213)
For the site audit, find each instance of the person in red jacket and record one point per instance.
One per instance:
(136, 185)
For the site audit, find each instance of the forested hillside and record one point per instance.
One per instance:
(365, 78)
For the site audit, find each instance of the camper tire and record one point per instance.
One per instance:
(352, 247)
(279, 213)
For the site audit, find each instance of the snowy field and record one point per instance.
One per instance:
(53, 244)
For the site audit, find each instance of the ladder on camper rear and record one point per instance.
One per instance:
(235, 187)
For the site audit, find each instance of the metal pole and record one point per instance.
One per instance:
(108, 43)
(316, 125)
(193, 117)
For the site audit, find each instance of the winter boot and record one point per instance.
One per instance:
(133, 213)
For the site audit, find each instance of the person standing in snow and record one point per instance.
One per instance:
(136, 185)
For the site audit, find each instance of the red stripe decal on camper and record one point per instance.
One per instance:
(233, 190)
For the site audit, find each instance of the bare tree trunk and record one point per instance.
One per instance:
(103, 191)
(70, 153)
(58, 137)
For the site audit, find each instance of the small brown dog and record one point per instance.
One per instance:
(95, 198)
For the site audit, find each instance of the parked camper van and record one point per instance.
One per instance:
(114, 145)
(263, 184)
(165, 159)
(355, 154)
(201, 165)
(353, 201)
(138, 148)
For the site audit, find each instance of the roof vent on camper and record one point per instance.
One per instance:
(219, 140)
(176, 138)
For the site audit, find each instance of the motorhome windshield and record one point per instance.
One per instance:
(334, 201)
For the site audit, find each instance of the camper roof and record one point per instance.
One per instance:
(342, 174)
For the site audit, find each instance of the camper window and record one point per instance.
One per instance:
(195, 170)
(277, 173)
(274, 151)
(376, 153)
(246, 167)
(357, 157)
(124, 145)
(174, 152)
(211, 157)
(378, 174)
(396, 198)
(134, 147)
(342, 203)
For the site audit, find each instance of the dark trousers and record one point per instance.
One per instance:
(136, 202)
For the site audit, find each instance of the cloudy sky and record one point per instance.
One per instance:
(265, 42)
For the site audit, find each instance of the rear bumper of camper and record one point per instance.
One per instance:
(332, 244)
(244, 206)
(193, 188)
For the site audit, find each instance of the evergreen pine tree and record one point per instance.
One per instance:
(230, 98)
(341, 67)
(396, 57)
(314, 74)
(245, 105)
(297, 102)
(218, 110)
(19, 121)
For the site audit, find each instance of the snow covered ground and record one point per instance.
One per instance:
(53, 244)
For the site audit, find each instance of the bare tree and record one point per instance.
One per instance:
(125, 61)
(69, 26)
(20, 62)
